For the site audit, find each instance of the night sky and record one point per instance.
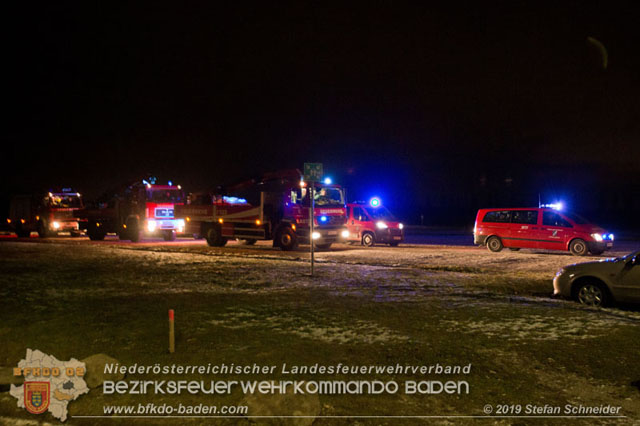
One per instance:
(439, 110)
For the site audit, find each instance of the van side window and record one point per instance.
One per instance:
(554, 219)
(528, 217)
(498, 217)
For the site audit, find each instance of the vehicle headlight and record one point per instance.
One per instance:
(381, 225)
(180, 223)
(596, 237)
(151, 225)
(345, 233)
(56, 225)
(316, 235)
(400, 226)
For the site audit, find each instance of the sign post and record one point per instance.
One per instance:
(313, 204)
(312, 174)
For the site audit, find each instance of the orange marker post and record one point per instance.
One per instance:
(172, 336)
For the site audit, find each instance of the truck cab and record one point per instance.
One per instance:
(142, 209)
(46, 213)
(160, 202)
(329, 213)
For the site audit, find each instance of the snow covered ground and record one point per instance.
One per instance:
(418, 303)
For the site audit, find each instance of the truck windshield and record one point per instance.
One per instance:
(65, 201)
(323, 196)
(165, 195)
(328, 197)
(380, 213)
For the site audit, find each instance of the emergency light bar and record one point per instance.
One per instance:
(234, 200)
(555, 206)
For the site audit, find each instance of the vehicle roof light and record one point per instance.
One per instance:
(556, 206)
(328, 181)
(375, 202)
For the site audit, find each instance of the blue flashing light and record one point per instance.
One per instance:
(323, 218)
(234, 200)
(556, 206)
(328, 181)
(375, 202)
(170, 183)
(145, 182)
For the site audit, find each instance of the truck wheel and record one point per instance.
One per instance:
(578, 247)
(169, 235)
(214, 237)
(43, 232)
(287, 239)
(368, 240)
(133, 231)
(324, 246)
(494, 244)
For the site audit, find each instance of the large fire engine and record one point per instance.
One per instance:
(46, 213)
(275, 206)
(140, 209)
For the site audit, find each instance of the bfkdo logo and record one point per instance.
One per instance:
(49, 384)
(37, 396)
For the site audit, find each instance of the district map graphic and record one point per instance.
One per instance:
(49, 384)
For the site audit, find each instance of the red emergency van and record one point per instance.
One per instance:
(539, 228)
(371, 223)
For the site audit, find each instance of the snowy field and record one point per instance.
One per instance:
(415, 304)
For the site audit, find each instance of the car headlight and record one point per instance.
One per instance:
(56, 225)
(316, 235)
(400, 226)
(596, 237)
(151, 225)
(345, 234)
(381, 225)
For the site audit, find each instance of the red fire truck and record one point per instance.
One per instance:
(274, 207)
(47, 213)
(143, 208)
